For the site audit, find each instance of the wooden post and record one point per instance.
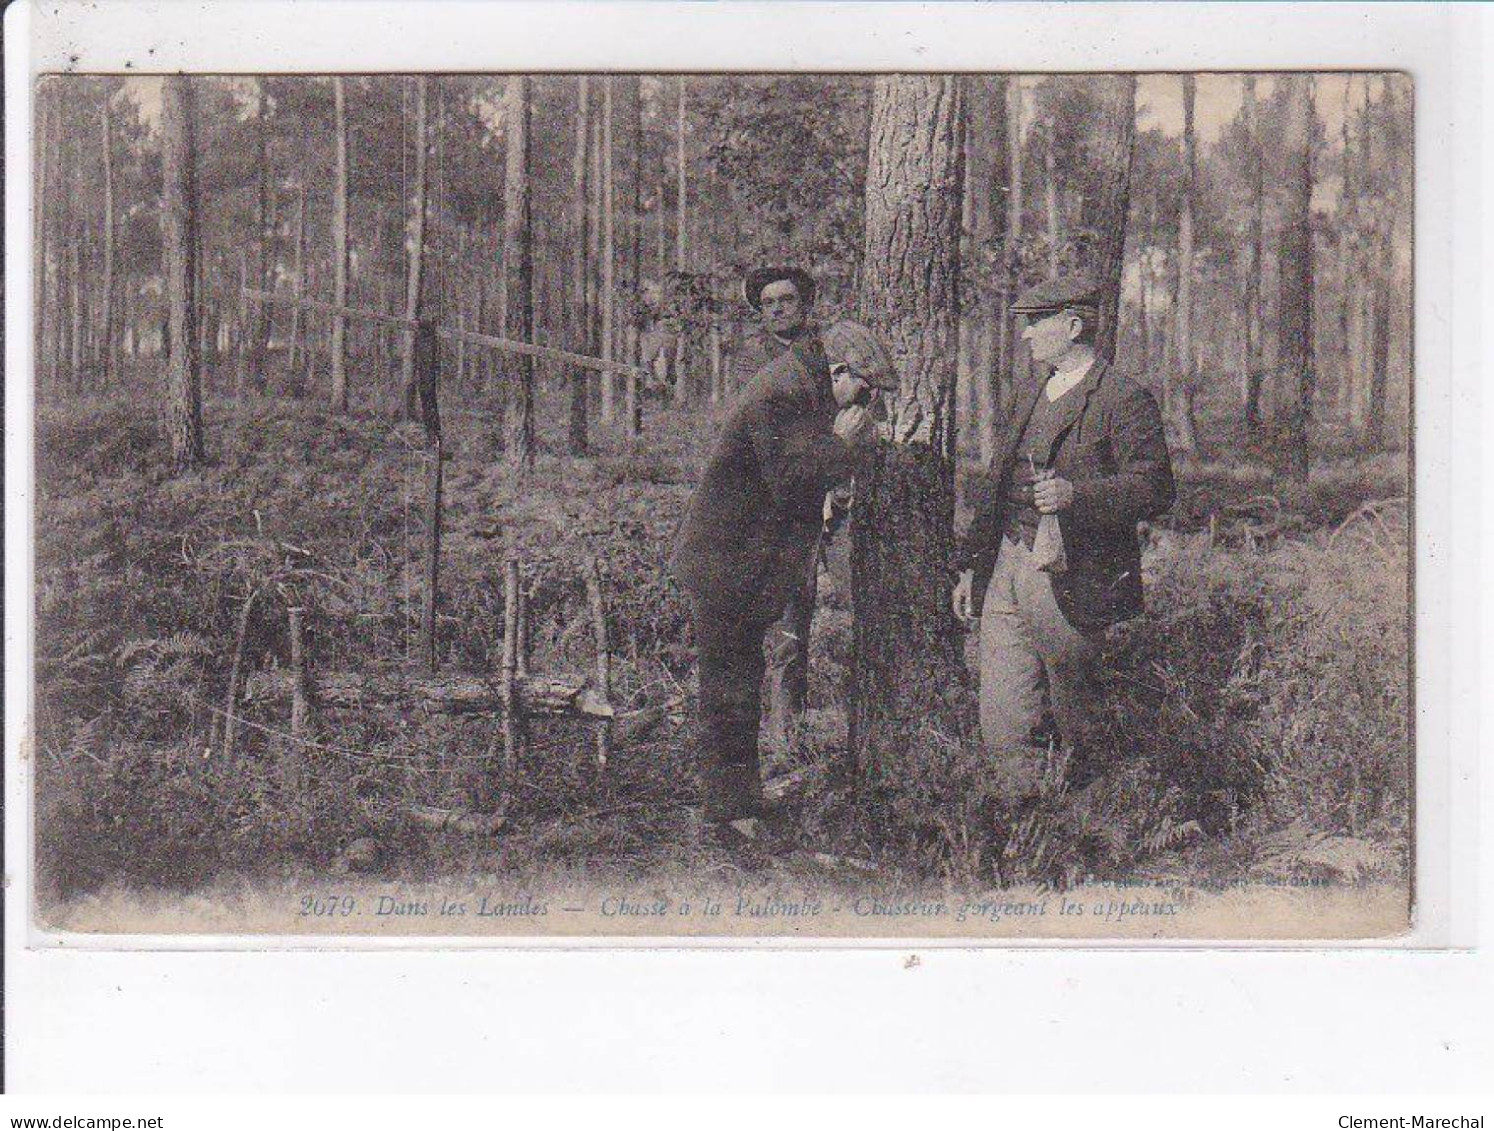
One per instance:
(235, 676)
(603, 660)
(512, 722)
(523, 633)
(300, 720)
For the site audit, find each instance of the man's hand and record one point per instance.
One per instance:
(963, 599)
(855, 425)
(1052, 495)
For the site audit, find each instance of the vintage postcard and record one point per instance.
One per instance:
(723, 505)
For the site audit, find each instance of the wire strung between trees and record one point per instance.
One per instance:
(503, 345)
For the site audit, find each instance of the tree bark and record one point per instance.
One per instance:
(340, 245)
(1178, 400)
(295, 361)
(906, 655)
(1011, 350)
(609, 253)
(41, 215)
(518, 265)
(179, 239)
(581, 321)
(1295, 313)
(1108, 211)
(108, 349)
(253, 359)
(418, 214)
(1384, 284)
(632, 404)
(1255, 363)
(681, 211)
(1050, 191)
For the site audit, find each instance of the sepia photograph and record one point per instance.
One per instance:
(724, 505)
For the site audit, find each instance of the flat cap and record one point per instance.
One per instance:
(853, 345)
(753, 284)
(1062, 293)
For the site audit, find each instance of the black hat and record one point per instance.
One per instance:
(753, 284)
(1062, 293)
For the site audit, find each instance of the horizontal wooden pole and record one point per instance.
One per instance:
(503, 345)
(441, 694)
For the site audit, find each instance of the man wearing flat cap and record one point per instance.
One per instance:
(749, 537)
(1052, 557)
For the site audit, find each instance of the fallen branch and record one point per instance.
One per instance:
(439, 694)
(456, 820)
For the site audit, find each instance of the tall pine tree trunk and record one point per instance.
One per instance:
(1179, 398)
(1255, 362)
(1384, 286)
(518, 265)
(253, 359)
(993, 247)
(681, 210)
(418, 208)
(581, 321)
(1050, 197)
(608, 252)
(632, 403)
(1011, 258)
(1295, 313)
(1346, 216)
(295, 360)
(108, 347)
(179, 253)
(43, 320)
(1107, 210)
(906, 654)
(340, 245)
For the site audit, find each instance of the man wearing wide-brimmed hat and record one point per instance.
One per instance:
(1052, 557)
(783, 298)
(749, 536)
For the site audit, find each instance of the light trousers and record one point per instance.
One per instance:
(1030, 656)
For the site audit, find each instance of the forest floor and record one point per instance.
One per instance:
(1256, 720)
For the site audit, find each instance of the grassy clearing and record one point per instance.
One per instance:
(1256, 719)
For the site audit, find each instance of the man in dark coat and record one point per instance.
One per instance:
(783, 298)
(1084, 458)
(748, 540)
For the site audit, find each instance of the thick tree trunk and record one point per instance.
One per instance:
(1348, 235)
(179, 247)
(108, 349)
(988, 402)
(43, 318)
(1178, 399)
(632, 403)
(985, 100)
(1011, 350)
(340, 245)
(418, 214)
(581, 321)
(518, 266)
(1384, 290)
(1107, 211)
(906, 655)
(1050, 191)
(681, 210)
(609, 253)
(1295, 313)
(1255, 362)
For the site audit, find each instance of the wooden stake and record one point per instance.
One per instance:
(603, 660)
(235, 675)
(512, 722)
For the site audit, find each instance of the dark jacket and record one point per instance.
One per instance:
(1114, 453)
(751, 526)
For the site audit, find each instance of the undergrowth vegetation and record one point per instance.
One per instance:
(1254, 725)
